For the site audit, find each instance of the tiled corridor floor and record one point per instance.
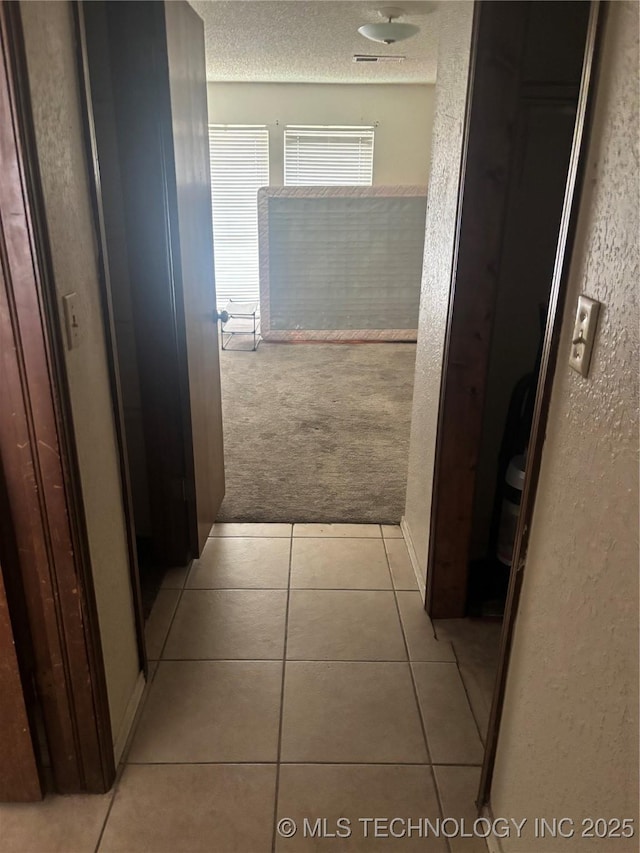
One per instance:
(295, 675)
(476, 643)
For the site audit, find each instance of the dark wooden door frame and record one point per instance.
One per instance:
(492, 100)
(548, 365)
(39, 458)
(500, 84)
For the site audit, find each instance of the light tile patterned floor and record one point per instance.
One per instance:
(298, 677)
(476, 643)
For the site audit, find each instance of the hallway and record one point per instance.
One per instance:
(294, 675)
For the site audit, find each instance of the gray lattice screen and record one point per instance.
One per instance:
(343, 262)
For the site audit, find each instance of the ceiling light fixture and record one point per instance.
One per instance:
(391, 30)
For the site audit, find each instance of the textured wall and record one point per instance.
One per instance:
(404, 113)
(569, 736)
(51, 60)
(448, 126)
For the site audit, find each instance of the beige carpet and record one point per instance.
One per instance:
(317, 432)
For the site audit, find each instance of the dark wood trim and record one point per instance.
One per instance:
(47, 506)
(507, 75)
(109, 326)
(545, 383)
(492, 104)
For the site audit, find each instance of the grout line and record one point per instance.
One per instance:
(252, 536)
(293, 660)
(415, 692)
(299, 763)
(294, 588)
(377, 536)
(203, 763)
(222, 660)
(301, 660)
(114, 791)
(236, 589)
(173, 617)
(436, 788)
(298, 536)
(274, 836)
(124, 758)
(468, 698)
(413, 683)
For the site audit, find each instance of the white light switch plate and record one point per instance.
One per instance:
(70, 304)
(584, 332)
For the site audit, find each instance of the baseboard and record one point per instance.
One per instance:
(129, 717)
(412, 556)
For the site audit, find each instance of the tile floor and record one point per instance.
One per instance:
(295, 674)
(476, 643)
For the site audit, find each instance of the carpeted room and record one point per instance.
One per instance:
(317, 418)
(317, 432)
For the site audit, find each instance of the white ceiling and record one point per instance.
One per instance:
(296, 41)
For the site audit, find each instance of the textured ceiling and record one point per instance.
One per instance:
(295, 41)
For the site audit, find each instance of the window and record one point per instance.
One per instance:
(316, 156)
(239, 157)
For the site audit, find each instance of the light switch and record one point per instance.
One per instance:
(70, 304)
(584, 332)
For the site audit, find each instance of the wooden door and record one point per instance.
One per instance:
(156, 53)
(194, 260)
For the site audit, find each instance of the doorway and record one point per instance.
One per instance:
(516, 181)
(316, 412)
(521, 185)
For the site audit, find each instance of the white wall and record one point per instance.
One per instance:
(403, 113)
(54, 86)
(448, 127)
(569, 736)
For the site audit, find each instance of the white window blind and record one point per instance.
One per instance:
(239, 157)
(328, 156)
